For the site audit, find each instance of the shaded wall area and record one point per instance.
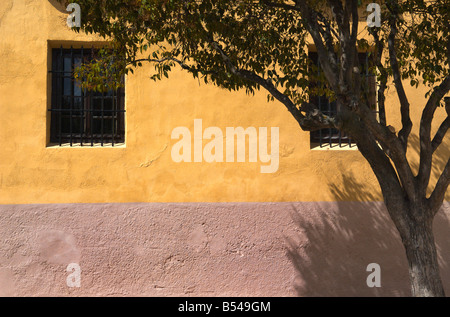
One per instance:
(205, 249)
(341, 239)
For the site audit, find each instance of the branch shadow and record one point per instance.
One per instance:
(337, 240)
(60, 6)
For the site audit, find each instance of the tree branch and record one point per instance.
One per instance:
(326, 58)
(327, 34)
(438, 195)
(392, 146)
(313, 119)
(384, 171)
(280, 5)
(348, 53)
(404, 103)
(440, 134)
(355, 22)
(162, 60)
(379, 45)
(426, 148)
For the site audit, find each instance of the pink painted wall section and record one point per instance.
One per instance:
(206, 249)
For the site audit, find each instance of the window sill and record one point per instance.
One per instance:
(86, 146)
(333, 147)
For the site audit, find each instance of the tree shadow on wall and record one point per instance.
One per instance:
(337, 240)
(61, 7)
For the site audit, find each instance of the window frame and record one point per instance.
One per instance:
(88, 117)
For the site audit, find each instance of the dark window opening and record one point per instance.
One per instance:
(332, 137)
(80, 116)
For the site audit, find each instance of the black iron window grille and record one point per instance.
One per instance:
(330, 137)
(80, 116)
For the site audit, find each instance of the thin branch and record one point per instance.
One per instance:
(327, 33)
(338, 11)
(314, 119)
(379, 45)
(159, 61)
(280, 5)
(438, 195)
(327, 24)
(404, 103)
(426, 148)
(328, 64)
(355, 22)
(347, 40)
(440, 134)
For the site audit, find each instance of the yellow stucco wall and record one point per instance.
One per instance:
(143, 170)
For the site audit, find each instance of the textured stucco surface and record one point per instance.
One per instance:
(206, 249)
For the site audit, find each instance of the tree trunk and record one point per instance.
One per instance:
(422, 260)
(410, 214)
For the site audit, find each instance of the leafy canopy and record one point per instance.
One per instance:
(210, 38)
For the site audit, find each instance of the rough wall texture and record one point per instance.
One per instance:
(206, 249)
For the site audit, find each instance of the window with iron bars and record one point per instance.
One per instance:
(80, 116)
(333, 138)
